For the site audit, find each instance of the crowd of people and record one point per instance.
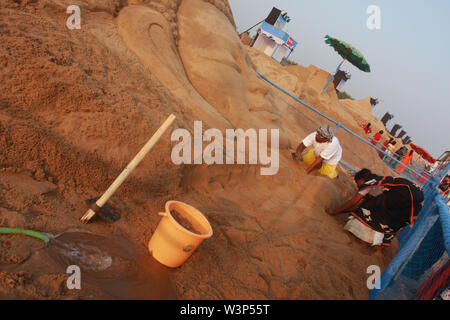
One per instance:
(402, 154)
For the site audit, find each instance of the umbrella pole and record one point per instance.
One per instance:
(332, 76)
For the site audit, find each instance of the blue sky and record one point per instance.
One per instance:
(409, 55)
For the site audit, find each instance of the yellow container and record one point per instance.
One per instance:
(171, 243)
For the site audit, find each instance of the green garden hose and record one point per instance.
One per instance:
(25, 232)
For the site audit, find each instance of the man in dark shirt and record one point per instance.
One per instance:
(383, 204)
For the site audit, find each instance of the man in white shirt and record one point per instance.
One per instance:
(326, 150)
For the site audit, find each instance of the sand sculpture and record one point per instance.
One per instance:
(76, 106)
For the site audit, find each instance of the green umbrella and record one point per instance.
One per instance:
(349, 53)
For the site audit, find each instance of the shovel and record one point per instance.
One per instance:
(97, 206)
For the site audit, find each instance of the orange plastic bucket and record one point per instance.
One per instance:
(171, 243)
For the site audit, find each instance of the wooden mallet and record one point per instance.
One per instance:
(97, 206)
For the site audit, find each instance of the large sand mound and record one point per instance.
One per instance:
(75, 107)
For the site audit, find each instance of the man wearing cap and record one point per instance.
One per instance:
(326, 150)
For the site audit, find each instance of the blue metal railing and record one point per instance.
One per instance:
(339, 125)
(434, 211)
(444, 216)
(347, 166)
(425, 175)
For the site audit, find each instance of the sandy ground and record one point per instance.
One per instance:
(77, 105)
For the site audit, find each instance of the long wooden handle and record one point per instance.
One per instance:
(136, 160)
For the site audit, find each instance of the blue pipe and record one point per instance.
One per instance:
(295, 98)
(328, 82)
(338, 125)
(335, 122)
(347, 166)
(332, 75)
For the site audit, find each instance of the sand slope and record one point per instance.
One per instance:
(75, 107)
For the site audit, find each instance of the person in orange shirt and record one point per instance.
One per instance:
(406, 160)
